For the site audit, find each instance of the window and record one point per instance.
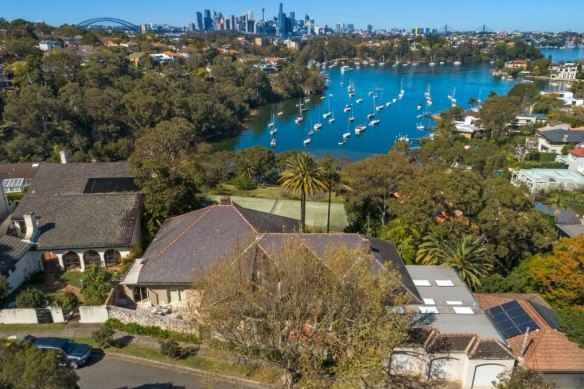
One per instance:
(463, 310)
(112, 257)
(422, 283)
(176, 295)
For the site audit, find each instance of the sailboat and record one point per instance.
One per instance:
(452, 97)
(300, 117)
(457, 62)
(351, 88)
(348, 133)
(432, 61)
(360, 129)
(272, 123)
(396, 64)
(280, 114)
(273, 132)
(273, 143)
(402, 92)
(352, 119)
(359, 101)
(329, 113)
(382, 63)
(347, 108)
(332, 118)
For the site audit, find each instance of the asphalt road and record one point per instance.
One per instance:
(111, 372)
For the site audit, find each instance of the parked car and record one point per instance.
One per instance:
(71, 353)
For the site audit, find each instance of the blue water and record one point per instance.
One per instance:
(398, 119)
(564, 54)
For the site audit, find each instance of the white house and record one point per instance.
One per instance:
(554, 140)
(564, 71)
(455, 340)
(16, 262)
(48, 45)
(538, 180)
(83, 214)
(467, 127)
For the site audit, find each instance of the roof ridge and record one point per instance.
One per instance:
(236, 207)
(148, 260)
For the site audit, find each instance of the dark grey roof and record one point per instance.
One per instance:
(386, 251)
(571, 230)
(272, 243)
(56, 178)
(11, 251)
(86, 221)
(557, 136)
(197, 240)
(19, 170)
(70, 219)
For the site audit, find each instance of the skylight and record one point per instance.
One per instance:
(454, 302)
(429, 302)
(422, 283)
(426, 309)
(444, 283)
(463, 310)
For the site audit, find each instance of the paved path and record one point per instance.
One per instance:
(113, 372)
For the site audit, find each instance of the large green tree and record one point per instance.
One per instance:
(25, 366)
(497, 113)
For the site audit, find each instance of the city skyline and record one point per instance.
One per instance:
(498, 15)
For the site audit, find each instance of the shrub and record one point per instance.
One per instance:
(30, 298)
(66, 300)
(97, 282)
(152, 331)
(171, 349)
(104, 337)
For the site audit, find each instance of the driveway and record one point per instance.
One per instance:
(112, 372)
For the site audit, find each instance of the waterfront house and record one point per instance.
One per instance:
(563, 71)
(529, 119)
(544, 180)
(535, 338)
(82, 214)
(554, 140)
(468, 129)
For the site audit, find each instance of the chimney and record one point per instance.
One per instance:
(566, 138)
(63, 155)
(32, 228)
(225, 200)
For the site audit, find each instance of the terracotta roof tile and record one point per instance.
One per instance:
(547, 349)
(579, 152)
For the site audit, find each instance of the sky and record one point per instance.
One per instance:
(498, 15)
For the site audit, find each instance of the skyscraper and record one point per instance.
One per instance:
(281, 21)
(199, 22)
(207, 21)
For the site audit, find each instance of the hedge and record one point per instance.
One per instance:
(152, 331)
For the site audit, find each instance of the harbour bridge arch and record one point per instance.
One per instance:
(127, 25)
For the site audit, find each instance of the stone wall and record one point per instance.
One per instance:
(128, 316)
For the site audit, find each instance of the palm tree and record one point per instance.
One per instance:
(302, 174)
(332, 177)
(467, 256)
(473, 101)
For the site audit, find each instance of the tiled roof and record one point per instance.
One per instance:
(547, 349)
(70, 219)
(579, 152)
(19, 170)
(56, 178)
(11, 250)
(87, 221)
(199, 239)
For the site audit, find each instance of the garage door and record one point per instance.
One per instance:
(485, 375)
(444, 368)
(402, 362)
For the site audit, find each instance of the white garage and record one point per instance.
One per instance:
(444, 368)
(484, 375)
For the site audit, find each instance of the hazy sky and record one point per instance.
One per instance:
(548, 15)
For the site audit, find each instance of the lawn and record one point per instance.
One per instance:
(268, 192)
(51, 283)
(316, 211)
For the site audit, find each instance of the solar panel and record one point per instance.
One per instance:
(511, 319)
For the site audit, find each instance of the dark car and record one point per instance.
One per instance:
(71, 353)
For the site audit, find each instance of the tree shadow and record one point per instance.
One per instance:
(123, 341)
(97, 355)
(166, 385)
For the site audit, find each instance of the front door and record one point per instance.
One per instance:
(50, 262)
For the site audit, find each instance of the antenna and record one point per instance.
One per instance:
(524, 345)
(263, 13)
